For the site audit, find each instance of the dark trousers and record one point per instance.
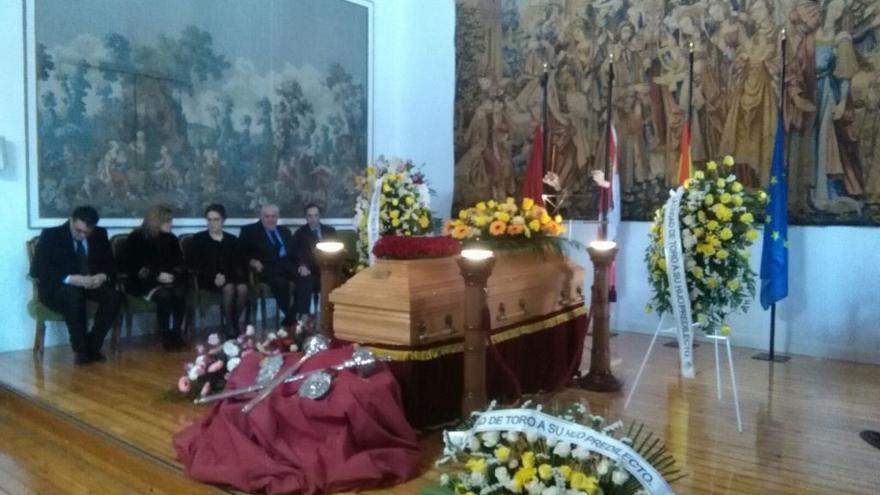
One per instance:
(306, 289)
(278, 277)
(71, 302)
(170, 303)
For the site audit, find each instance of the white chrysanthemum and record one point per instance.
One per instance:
(580, 453)
(603, 467)
(200, 360)
(502, 475)
(282, 333)
(511, 437)
(562, 449)
(477, 479)
(535, 487)
(213, 339)
(491, 438)
(619, 477)
(513, 464)
(271, 336)
(230, 348)
(531, 436)
(552, 441)
(232, 364)
(444, 479)
(195, 372)
(250, 331)
(553, 490)
(474, 444)
(513, 487)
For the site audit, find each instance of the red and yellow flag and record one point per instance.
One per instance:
(684, 161)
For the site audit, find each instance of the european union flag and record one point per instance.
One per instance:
(774, 258)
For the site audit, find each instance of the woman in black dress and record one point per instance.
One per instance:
(155, 272)
(216, 256)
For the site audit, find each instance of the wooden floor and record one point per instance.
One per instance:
(106, 428)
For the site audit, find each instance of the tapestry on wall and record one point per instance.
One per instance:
(831, 101)
(188, 102)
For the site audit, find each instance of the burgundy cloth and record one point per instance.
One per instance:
(533, 183)
(355, 438)
(540, 361)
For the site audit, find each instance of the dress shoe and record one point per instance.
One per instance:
(98, 357)
(82, 358)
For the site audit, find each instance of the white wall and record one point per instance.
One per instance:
(831, 310)
(413, 91)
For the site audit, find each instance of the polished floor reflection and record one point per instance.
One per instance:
(801, 422)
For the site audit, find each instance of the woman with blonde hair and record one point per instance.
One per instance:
(154, 265)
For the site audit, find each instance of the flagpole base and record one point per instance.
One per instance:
(872, 437)
(777, 358)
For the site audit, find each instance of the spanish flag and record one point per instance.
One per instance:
(684, 161)
(533, 183)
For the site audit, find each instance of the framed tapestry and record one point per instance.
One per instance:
(190, 102)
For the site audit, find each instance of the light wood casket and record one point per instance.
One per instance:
(417, 302)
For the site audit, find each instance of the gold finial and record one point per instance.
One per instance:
(545, 67)
(691, 46)
(611, 57)
(783, 33)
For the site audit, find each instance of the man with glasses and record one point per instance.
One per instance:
(73, 263)
(271, 253)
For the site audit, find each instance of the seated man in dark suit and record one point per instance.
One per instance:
(271, 253)
(73, 263)
(308, 282)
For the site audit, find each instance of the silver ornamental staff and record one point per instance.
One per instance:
(362, 360)
(313, 345)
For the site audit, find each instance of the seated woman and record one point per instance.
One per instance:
(155, 272)
(217, 258)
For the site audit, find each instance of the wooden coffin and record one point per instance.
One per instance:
(418, 302)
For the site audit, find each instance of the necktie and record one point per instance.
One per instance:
(317, 234)
(276, 239)
(82, 257)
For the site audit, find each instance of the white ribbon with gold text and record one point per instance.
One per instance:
(679, 297)
(373, 218)
(530, 420)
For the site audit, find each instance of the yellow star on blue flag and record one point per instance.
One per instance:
(774, 256)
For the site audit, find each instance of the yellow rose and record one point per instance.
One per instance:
(491, 203)
(699, 175)
(481, 206)
(661, 264)
(558, 218)
(726, 198)
(528, 459)
(463, 214)
(698, 272)
(726, 234)
(745, 253)
(720, 183)
(709, 199)
(509, 200)
(545, 218)
(736, 187)
(737, 201)
(502, 453)
(424, 222)
(565, 471)
(395, 222)
(733, 284)
(711, 165)
(711, 283)
(395, 201)
(698, 232)
(728, 160)
(752, 234)
(746, 218)
(686, 184)
(528, 203)
(712, 225)
(535, 225)
(701, 216)
(545, 471)
(477, 465)
(524, 475)
(580, 481)
(409, 200)
(395, 213)
(722, 254)
(725, 329)
(386, 188)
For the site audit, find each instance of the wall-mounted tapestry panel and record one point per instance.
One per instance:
(188, 102)
(831, 100)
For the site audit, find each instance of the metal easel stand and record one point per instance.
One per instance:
(671, 332)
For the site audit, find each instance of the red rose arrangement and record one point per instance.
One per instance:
(396, 247)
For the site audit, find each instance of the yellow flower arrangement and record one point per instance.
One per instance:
(716, 229)
(511, 462)
(403, 202)
(506, 223)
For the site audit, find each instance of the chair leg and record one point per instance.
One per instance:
(114, 336)
(39, 338)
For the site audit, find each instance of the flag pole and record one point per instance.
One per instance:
(603, 194)
(545, 129)
(690, 85)
(771, 356)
